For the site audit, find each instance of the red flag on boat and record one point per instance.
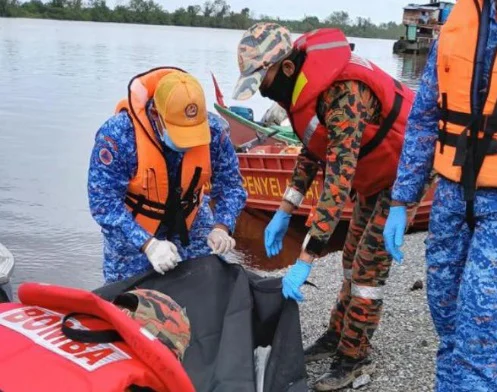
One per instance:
(219, 94)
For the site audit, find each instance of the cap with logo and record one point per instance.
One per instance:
(261, 46)
(180, 101)
(160, 315)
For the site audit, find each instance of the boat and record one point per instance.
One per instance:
(267, 165)
(244, 130)
(6, 269)
(422, 23)
(267, 169)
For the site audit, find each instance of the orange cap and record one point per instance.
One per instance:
(180, 101)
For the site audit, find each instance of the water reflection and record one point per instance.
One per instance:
(249, 235)
(410, 68)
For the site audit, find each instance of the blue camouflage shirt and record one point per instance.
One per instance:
(418, 152)
(114, 162)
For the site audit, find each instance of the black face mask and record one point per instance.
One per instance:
(281, 89)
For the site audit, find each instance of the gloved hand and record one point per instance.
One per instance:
(394, 230)
(275, 231)
(220, 241)
(163, 255)
(294, 279)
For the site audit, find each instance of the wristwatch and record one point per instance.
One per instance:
(293, 196)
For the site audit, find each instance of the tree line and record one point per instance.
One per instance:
(215, 13)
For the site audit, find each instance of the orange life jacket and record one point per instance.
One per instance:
(328, 60)
(467, 145)
(150, 197)
(37, 355)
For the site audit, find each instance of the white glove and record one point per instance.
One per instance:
(220, 242)
(163, 255)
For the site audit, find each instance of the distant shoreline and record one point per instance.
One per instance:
(159, 25)
(216, 14)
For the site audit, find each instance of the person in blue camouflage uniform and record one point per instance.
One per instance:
(114, 162)
(461, 264)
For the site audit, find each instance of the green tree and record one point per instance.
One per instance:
(213, 13)
(181, 17)
(310, 23)
(99, 12)
(194, 12)
(338, 19)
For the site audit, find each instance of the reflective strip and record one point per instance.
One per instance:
(310, 129)
(327, 45)
(357, 60)
(293, 196)
(299, 86)
(306, 241)
(147, 333)
(347, 274)
(367, 292)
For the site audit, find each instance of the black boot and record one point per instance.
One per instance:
(343, 371)
(324, 347)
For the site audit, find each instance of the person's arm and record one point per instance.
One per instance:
(418, 151)
(303, 175)
(112, 164)
(346, 108)
(227, 187)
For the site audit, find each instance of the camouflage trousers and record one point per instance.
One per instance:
(366, 264)
(462, 289)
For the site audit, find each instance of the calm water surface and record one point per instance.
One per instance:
(60, 81)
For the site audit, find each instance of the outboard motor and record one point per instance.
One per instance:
(6, 269)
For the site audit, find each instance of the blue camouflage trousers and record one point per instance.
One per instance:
(462, 289)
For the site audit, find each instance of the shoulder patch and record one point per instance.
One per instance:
(105, 156)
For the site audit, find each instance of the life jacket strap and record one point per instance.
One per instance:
(386, 125)
(87, 336)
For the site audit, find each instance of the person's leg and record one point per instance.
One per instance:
(327, 344)
(446, 251)
(369, 274)
(475, 352)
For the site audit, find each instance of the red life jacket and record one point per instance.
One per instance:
(329, 59)
(36, 355)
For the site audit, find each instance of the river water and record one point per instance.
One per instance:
(60, 81)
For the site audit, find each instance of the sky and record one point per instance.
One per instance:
(378, 10)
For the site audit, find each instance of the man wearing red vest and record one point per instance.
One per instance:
(350, 116)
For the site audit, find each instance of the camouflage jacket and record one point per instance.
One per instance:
(346, 108)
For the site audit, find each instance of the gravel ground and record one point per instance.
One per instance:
(405, 343)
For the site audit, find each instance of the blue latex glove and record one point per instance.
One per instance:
(394, 230)
(294, 279)
(275, 231)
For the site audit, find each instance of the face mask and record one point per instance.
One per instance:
(281, 89)
(169, 143)
(164, 136)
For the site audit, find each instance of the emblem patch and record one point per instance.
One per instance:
(191, 110)
(105, 156)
